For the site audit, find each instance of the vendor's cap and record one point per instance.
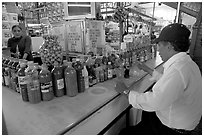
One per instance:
(174, 33)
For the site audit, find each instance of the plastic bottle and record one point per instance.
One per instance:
(14, 81)
(10, 72)
(7, 77)
(110, 74)
(33, 85)
(70, 81)
(80, 80)
(101, 74)
(97, 69)
(127, 71)
(45, 78)
(86, 77)
(58, 80)
(3, 79)
(22, 81)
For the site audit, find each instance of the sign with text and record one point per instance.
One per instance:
(74, 36)
(95, 35)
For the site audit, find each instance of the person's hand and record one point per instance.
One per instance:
(120, 87)
(25, 56)
(144, 67)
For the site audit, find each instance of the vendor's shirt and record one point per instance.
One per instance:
(24, 46)
(177, 95)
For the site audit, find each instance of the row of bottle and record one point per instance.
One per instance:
(141, 54)
(69, 79)
(36, 84)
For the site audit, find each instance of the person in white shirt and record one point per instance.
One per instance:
(176, 97)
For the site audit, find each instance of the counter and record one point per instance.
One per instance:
(87, 113)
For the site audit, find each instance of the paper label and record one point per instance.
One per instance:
(60, 83)
(45, 87)
(22, 80)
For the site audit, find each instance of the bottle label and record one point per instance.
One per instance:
(7, 80)
(22, 80)
(23, 89)
(45, 87)
(34, 85)
(60, 83)
(110, 74)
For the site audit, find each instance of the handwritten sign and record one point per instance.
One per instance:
(95, 35)
(74, 36)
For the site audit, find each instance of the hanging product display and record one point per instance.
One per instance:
(51, 50)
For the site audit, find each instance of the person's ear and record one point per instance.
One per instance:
(170, 47)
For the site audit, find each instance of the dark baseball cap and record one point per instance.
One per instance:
(174, 33)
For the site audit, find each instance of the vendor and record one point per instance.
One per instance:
(20, 45)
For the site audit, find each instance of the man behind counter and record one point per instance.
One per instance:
(20, 45)
(176, 99)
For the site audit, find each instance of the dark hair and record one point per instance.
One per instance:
(181, 46)
(14, 26)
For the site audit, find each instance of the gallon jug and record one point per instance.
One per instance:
(70, 81)
(33, 85)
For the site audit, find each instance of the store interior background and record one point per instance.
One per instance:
(163, 13)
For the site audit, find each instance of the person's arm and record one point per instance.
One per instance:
(155, 74)
(145, 68)
(165, 92)
(27, 47)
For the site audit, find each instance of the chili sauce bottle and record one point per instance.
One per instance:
(22, 81)
(58, 80)
(80, 79)
(45, 78)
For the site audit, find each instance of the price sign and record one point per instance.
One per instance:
(74, 36)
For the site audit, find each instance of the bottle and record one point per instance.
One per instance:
(45, 78)
(101, 74)
(127, 71)
(105, 69)
(97, 69)
(120, 71)
(80, 79)
(7, 76)
(33, 85)
(22, 80)
(58, 80)
(10, 71)
(70, 81)
(3, 79)
(86, 77)
(14, 77)
(64, 66)
(110, 74)
(152, 52)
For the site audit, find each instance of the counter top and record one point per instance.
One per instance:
(53, 117)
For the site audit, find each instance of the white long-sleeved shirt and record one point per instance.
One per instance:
(177, 95)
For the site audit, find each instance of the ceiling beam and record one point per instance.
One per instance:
(182, 8)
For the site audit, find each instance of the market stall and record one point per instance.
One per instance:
(69, 87)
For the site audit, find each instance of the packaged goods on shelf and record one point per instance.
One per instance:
(4, 42)
(13, 17)
(6, 34)
(5, 17)
(6, 25)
